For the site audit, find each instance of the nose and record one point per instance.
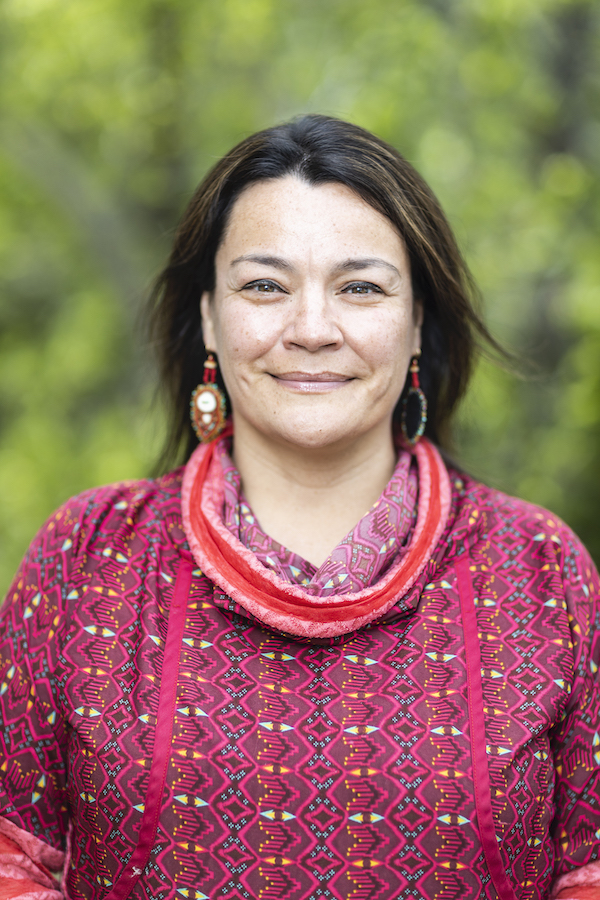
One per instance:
(312, 324)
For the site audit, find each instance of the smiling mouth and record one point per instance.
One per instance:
(313, 382)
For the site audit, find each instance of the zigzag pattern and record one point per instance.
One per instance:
(302, 770)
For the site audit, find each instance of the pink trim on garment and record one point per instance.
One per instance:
(294, 610)
(161, 752)
(481, 774)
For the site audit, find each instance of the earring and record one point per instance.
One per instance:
(207, 406)
(414, 397)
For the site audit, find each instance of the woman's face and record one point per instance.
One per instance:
(312, 316)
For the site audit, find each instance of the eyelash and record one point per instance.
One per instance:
(264, 282)
(362, 284)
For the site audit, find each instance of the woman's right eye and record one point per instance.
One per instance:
(263, 286)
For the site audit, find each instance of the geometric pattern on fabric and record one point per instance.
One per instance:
(298, 769)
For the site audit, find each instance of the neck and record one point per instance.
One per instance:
(308, 499)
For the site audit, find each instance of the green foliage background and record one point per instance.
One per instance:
(112, 112)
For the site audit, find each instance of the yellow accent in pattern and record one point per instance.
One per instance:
(365, 818)
(88, 711)
(99, 631)
(276, 769)
(361, 660)
(453, 819)
(361, 729)
(188, 800)
(34, 604)
(277, 815)
(279, 655)
(9, 675)
(191, 711)
(446, 730)
(276, 726)
(189, 753)
(596, 746)
(452, 773)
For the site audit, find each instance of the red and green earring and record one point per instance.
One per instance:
(414, 406)
(208, 409)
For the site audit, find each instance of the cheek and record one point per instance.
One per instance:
(387, 341)
(245, 334)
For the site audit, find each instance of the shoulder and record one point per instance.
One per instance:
(105, 509)
(512, 532)
(96, 524)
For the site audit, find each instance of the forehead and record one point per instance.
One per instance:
(288, 216)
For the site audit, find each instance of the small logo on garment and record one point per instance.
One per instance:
(136, 872)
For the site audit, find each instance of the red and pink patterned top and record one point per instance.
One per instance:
(176, 746)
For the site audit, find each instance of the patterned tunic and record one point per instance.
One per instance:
(299, 769)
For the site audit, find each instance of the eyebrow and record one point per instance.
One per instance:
(276, 262)
(367, 262)
(348, 265)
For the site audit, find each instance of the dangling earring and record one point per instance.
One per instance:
(413, 396)
(207, 406)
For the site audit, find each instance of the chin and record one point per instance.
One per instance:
(314, 435)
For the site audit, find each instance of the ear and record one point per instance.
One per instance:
(208, 328)
(418, 315)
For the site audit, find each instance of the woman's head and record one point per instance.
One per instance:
(317, 151)
(312, 318)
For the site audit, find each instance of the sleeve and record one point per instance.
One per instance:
(576, 742)
(33, 745)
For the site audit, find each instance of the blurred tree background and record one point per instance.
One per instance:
(113, 111)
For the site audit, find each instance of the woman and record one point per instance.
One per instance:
(316, 661)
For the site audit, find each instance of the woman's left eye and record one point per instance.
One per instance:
(361, 287)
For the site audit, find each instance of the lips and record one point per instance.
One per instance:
(313, 382)
(312, 376)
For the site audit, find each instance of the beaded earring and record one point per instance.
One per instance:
(414, 397)
(207, 406)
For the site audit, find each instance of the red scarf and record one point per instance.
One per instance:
(287, 607)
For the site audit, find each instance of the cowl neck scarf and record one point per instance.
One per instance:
(361, 558)
(290, 607)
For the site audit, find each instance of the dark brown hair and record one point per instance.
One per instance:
(319, 150)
